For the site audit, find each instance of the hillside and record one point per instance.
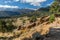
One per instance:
(44, 9)
(29, 24)
(13, 12)
(31, 30)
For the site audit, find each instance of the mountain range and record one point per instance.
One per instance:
(9, 12)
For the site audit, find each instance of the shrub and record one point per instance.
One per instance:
(10, 27)
(52, 18)
(23, 22)
(33, 19)
(2, 26)
(6, 28)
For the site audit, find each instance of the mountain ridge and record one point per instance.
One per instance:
(12, 12)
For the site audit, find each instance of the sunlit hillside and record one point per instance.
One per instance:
(30, 24)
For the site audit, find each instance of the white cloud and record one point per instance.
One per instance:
(33, 2)
(16, 0)
(31, 8)
(7, 1)
(8, 6)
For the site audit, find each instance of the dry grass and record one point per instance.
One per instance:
(43, 28)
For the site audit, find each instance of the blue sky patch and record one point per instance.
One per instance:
(31, 4)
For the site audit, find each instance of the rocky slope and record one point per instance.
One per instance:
(39, 30)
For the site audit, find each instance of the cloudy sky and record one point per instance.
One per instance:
(32, 4)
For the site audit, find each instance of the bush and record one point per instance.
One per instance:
(23, 21)
(52, 18)
(2, 26)
(6, 28)
(10, 27)
(33, 19)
